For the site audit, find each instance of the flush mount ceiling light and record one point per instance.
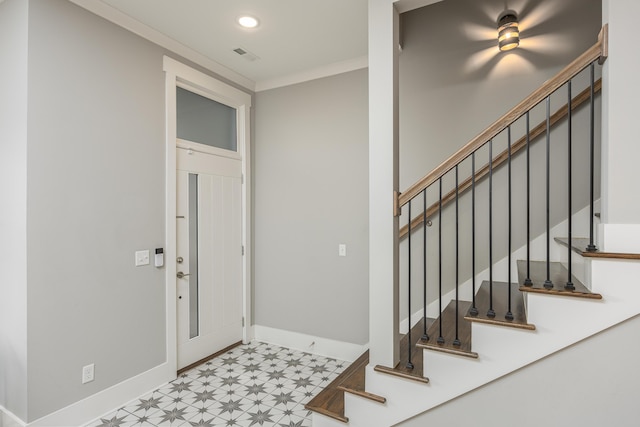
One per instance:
(247, 21)
(508, 32)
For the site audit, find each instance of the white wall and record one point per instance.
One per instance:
(310, 172)
(384, 31)
(591, 383)
(13, 194)
(621, 213)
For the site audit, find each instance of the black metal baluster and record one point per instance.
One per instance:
(491, 312)
(456, 341)
(425, 336)
(527, 280)
(569, 285)
(591, 247)
(440, 337)
(548, 283)
(409, 364)
(474, 309)
(509, 315)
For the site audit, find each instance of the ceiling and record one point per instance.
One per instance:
(294, 36)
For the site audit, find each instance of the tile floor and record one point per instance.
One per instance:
(252, 385)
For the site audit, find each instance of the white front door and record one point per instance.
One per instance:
(209, 254)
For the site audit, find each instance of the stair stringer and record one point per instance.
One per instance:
(560, 322)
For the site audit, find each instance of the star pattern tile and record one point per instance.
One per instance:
(256, 384)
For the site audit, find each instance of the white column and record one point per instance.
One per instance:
(620, 146)
(383, 181)
(14, 31)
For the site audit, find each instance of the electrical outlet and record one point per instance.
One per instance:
(342, 249)
(142, 258)
(87, 373)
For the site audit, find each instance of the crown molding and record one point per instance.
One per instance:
(407, 5)
(313, 74)
(125, 21)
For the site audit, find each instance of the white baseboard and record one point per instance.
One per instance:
(624, 238)
(317, 345)
(7, 419)
(106, 401)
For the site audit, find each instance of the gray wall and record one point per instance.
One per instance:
(311, 193)
(13, 194)
(592, 383)
(453, 80)
(453, 87)
(96, 192)
(95, 167)
(438, 75)
(96, 195)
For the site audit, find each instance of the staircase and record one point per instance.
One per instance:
(527, 302)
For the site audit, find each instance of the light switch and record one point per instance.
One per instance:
(142, 258)
(342, 249)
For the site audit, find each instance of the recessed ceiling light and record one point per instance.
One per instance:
(248, 21)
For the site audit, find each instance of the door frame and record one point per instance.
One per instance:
(178, 74)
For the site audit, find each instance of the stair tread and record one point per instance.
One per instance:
(558, 276)
(579, 245)
(363, 393)
(500, 306)
(330, 401)
(400, 369)
(448, 318)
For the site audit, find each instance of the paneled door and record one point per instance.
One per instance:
(209, 253)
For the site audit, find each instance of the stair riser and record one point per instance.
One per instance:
(405, 394)
(551, 312)
(319, 420)
(616, 279)
(623, 238)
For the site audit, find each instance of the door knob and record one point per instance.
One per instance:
(181, 275)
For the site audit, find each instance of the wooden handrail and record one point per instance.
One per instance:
(595, 52)
(520, 144)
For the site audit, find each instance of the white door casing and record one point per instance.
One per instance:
(178, 74)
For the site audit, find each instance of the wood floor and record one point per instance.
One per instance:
(450, 331)
(401, 370)
(579, 246)
(330, 401)
(558, 275)
(500, 306)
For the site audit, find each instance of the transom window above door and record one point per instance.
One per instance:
(205, 121)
